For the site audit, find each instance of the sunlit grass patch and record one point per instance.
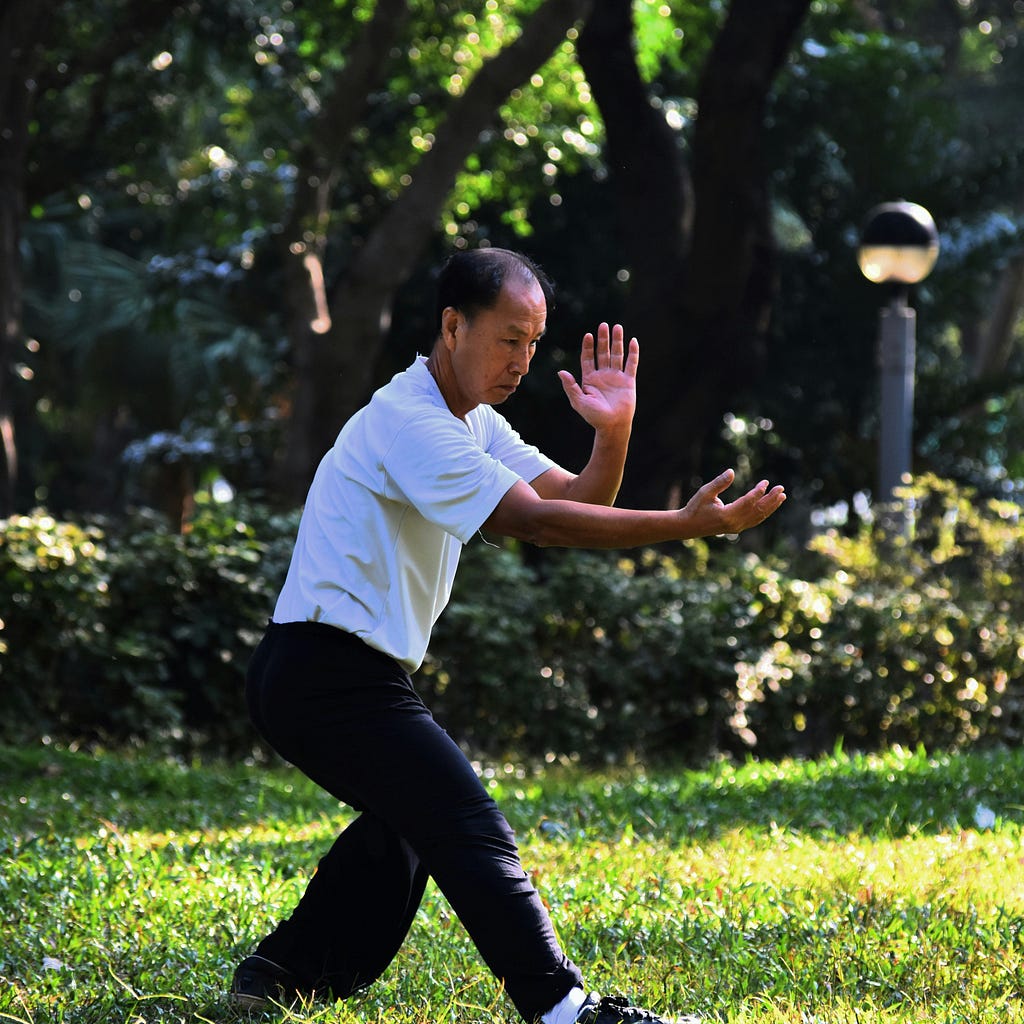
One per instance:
(847, 889)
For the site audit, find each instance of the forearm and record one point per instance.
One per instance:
(567, 523)
(599, 481)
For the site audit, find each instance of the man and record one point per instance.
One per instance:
(412, 477)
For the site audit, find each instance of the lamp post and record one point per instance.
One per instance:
(899, 246)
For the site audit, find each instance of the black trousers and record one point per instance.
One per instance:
(348, 717)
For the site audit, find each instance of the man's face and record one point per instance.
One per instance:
(491, 351)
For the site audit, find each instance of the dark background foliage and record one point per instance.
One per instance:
(184, 177)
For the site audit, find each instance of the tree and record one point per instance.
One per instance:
(22, 24)
(283, 158)
(696, 228)
(248, 200)
(29, 33)
(337, 331)
(924, 110)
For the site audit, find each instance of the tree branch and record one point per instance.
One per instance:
(364, 71)
(394, 244)
(731, 218)
(319, 162)
(335, 370)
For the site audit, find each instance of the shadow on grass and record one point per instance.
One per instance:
(52, 790)
(890, 795)
(59, 792)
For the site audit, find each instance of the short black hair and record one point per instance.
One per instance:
(472, 279)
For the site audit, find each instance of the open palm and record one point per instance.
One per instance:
(605, 395)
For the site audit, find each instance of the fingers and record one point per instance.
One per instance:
(609, 350)
(569, 385)
(713, 488)
(633, 357)
(772, 501)
(587, 353)
(604, 357)
(762, 503)
(750, 509)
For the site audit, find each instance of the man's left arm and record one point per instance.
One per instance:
(605, 396)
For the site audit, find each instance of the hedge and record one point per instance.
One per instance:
(129, 632)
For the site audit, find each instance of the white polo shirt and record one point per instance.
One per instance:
(406, 484)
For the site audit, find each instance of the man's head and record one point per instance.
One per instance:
(472, 279)
(492, 310)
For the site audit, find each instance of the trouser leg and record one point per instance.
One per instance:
(349, 718)
(360, 902)
(342, 935)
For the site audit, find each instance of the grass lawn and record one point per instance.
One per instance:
(849, 889)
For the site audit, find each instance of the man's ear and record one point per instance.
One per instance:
(450, 318)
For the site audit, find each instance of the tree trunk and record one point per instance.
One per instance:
(702, 276)
(21, 26)
(995, 337)
(337, 367)
(731, 275)
(654, 206)
(305, 242)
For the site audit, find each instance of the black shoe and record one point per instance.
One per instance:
(259, 982)
(616, 1010)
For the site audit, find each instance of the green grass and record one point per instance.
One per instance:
(849, 889)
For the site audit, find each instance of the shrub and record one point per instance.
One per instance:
(53, 585)
(879, 640)
(130, 630)
(912, 640)
(597, 656)
(580, 654)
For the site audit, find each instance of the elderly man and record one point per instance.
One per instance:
(411, 478)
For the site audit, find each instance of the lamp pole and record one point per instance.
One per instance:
(899, 246)
(897, 353)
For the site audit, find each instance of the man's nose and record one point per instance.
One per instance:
(521, 361)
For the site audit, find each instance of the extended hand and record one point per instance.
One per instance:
(606, 393)
(710, 516)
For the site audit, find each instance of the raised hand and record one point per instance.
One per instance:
(605, 395)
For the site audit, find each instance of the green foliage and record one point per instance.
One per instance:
(584, 655)
(881, 640)
(850, 888)
(52, 582)
(858, 118)
(901, 639)
(160, 187)
(131, 630)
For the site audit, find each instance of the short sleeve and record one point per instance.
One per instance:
(437, 466)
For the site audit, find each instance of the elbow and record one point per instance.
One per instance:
(529, 526)
(539, 540)
(535, 533)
